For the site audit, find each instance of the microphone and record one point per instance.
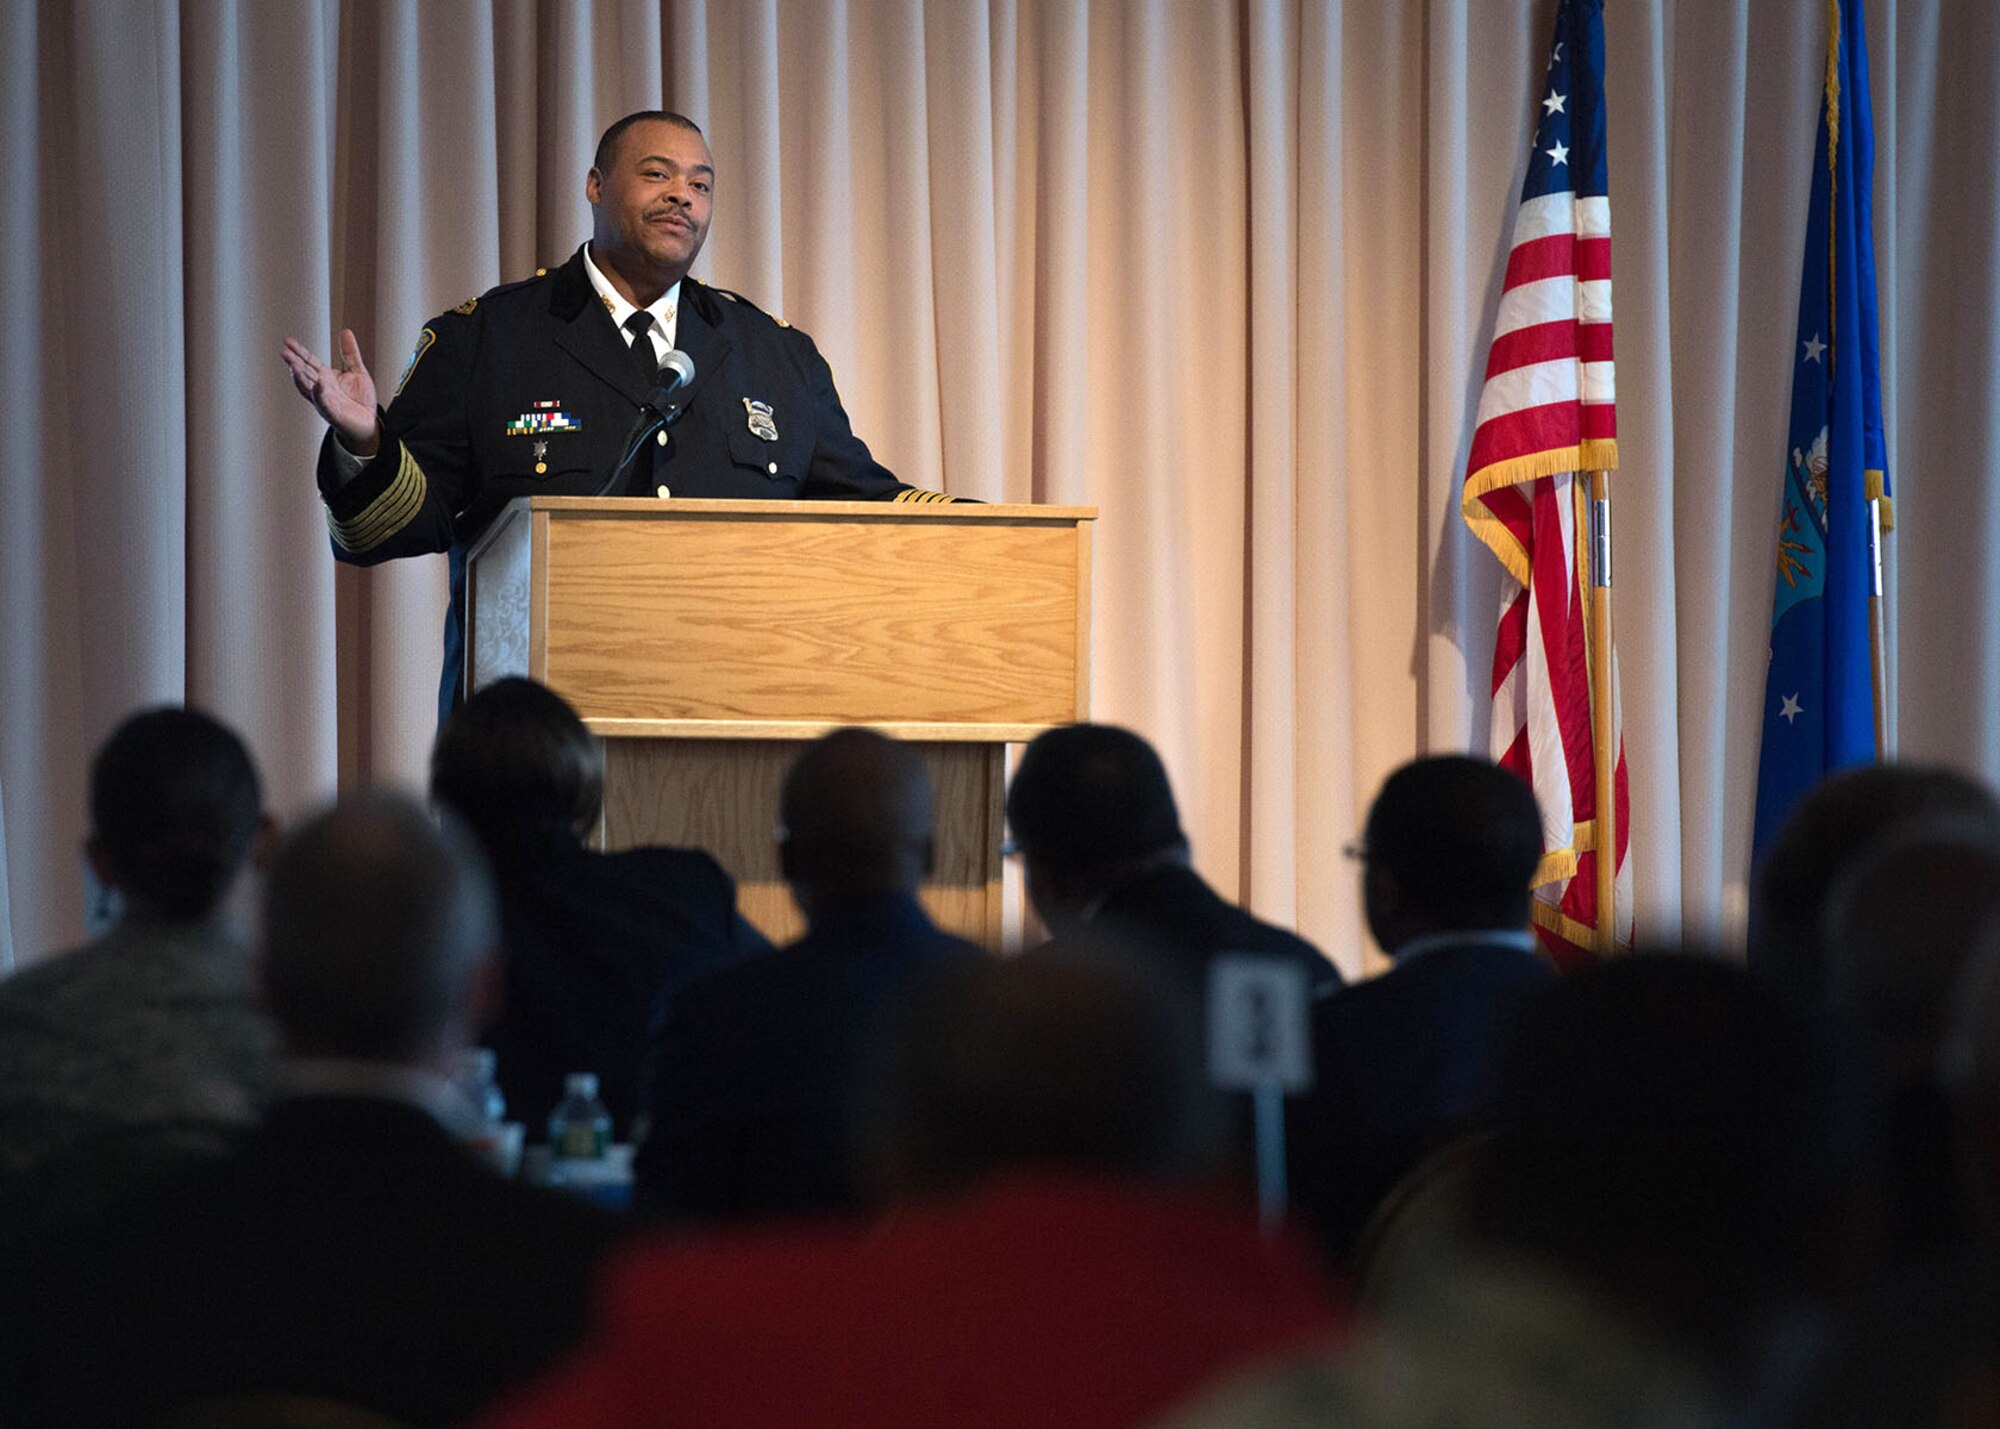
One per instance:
(661, 409)
(676, 374)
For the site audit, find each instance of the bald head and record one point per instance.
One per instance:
(378, 929)
(855, 816)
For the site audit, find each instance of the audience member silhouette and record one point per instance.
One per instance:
(1040, 1275)
(1671, 1134)
(146, 1044)
(350, 1249)
(1920, 1345)
(596, 943)
(1407, 1059)
(1836, 820)
(1094, 820)
(1087, 1061)
(1900, 922)
(1105, 862)
(750, 1111)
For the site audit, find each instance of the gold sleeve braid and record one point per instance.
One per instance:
(921, 497)
(388, 513)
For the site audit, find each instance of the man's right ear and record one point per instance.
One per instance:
(593, 186)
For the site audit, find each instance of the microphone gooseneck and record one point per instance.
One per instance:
(659, 411)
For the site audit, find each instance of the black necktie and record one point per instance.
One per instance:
(640, 329)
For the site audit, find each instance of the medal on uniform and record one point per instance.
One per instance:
(760, 419)
(542, 417)
(541, 458)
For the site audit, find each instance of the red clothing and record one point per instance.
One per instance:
(1038, 1301)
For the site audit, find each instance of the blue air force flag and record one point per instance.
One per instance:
(1819, 712)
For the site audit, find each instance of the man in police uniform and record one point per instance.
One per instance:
(534, 387)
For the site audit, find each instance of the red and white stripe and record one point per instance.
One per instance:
(1549, 382)
(1548, 410)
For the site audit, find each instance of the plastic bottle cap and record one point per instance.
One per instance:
(580, 1084)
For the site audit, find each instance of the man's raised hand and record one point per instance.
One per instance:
(343, 395)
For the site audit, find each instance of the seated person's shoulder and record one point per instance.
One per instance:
(665, 861)
(1270, 940)
(25, 987)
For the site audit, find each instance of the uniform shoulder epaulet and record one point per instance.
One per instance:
(465, 309)
(740, 301)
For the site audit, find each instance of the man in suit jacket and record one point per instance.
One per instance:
(753, 1084)
(595, 944)
(1095, 823)
(534, 387)
(1409, 1058)
(350, 1250)
(1107, 866)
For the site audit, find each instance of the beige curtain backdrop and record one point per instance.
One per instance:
(1224, 270)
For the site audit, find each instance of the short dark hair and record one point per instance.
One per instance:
(1461, 837)
(174, 805)
(374, 919)
(515, 753)
(607, 146)
(1089, 797)
(1900, 923)
(1836, 820)
(995, 1064)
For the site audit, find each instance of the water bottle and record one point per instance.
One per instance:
(477, 1068)
(491, 1136)
(579, 1127)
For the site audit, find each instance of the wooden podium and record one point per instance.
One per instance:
(707, 641)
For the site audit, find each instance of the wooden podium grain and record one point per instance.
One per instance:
(707, 641)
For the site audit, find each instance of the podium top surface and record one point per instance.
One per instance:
(694, 508)
(901, 510)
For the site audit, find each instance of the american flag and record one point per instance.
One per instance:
(1546, 415)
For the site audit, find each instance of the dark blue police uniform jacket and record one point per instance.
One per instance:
(531, 390)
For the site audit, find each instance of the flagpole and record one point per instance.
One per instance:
(1877, 639)
(1603, 730)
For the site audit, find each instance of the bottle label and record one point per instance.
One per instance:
(583, 1141)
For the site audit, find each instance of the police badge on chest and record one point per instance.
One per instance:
(762, 423)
